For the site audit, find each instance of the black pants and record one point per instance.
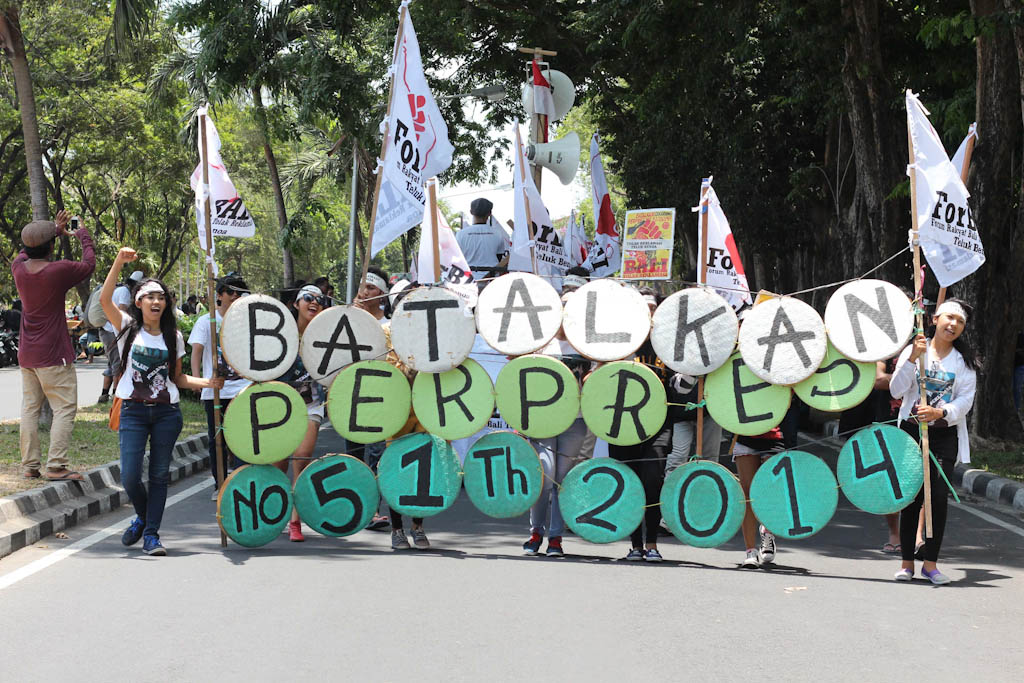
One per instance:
(396, 519)
(942, 441)
(647, 460)
(229, 457)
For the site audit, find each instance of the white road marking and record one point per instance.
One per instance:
(989, 518)
(91, 540)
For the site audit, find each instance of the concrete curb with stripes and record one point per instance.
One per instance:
(989, 486)
(28, 516)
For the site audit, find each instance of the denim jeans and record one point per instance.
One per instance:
(160, 425)
(231, 460)
(557, 456)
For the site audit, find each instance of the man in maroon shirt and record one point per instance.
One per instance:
(45, 353)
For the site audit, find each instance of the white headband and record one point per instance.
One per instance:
(649, 298)
(573, 281)
(148, 288)
(951, 308)
(377, 281)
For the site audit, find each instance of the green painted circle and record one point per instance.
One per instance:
(742, 402)
(280, 422)
(535, 380)
(601, 395)
(254, 505)
(503, 476)
(442, 400)
(384, 399)
(838, 385)
(336, 495)
(419, 475)
(885, 484)
(794, 494)
(602, 500)
(711, 510)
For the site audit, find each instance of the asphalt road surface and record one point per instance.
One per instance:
(474, 607)
(90, 381)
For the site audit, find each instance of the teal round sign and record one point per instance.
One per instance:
(702, 504)
(503, 476)
(880, 469)
(336, 495)
(254, 504)
(419, 475)
(602, 500)
(794, 494)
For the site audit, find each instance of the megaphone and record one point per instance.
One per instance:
(562, 91)
(561, 157)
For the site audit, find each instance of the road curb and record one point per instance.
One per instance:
(989, 486)
(28, 516)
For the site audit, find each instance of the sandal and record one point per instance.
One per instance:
(892, 549)
(31, 474)
(63, 474)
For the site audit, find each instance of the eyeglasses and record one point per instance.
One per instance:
(309, 298)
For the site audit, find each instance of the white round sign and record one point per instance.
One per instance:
(605, 320)
(518, 313)
(869, 320)
(259, 337)
(337, 337)
(694, 331)
(783, 340)
(432, 330)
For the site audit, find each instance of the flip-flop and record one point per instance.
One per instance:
(891, 549)
(31, 474)
(66, 475)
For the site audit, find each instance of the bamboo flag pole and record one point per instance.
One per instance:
(432, 193)
(210, 297)
(526, 200)
(702, 279)
(968, 153)
(537, 120)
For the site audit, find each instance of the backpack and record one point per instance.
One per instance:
(92, 311)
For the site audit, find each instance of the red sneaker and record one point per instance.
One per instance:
(555, 547)
(295, 532)
(532, 546)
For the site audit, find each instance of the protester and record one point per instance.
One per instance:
(12, 317)
(189, 308)
(123, 300)
(484, 243)
(148, 387)
(682, 389)
(749, 453)
(325, 286)
(950, 381)
(574, 278)
(45, 353)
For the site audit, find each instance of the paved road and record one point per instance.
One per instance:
(90, 381)
(475, 608)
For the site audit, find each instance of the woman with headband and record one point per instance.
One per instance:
(949, 384)
(148, 388)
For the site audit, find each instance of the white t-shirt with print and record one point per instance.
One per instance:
(233, 382)
(147, 375)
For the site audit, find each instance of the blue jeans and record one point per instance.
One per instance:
(160, 425)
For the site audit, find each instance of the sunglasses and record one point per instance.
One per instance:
(309, 298)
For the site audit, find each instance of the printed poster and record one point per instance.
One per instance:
(647, 244)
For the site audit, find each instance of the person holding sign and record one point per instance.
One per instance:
(950, 380)
(749, 453)
(148, 388)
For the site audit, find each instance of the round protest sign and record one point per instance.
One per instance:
(265, 423)
(369, 401)
(454, 404)
(605, 320)
(702, 504)
(782, 340)
(880, 469)
(336, 495)
(432, 330)
(538, 396)
(337, 337)
(419, 475)
(869, 320)
(624, 403)
(838, 385)
(602, 500)
(259, 338)
(254, 504)
(518, 313)
(694, 331)
(794, 494)
(741, 402)
(503, 476)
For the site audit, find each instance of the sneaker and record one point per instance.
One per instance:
(936, 577)
(532, 546)
(151, 546)
(652, 555)
(399, 541)
(753, 559)
(104, 398)
(767, 545)
(904, 575)
(133, 533)
(215, 494)
(635, 555)
(295, 532)
(419, 538)
(555, 547)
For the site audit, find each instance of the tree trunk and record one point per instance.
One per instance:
(275, 182)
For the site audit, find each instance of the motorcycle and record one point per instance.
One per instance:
(8, 348)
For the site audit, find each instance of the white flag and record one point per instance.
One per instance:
(575, 241)
(228, 215)
(455, 272)
(961, 152)
(417, 146)
(606, 257)
(725, 270)
(948, 235)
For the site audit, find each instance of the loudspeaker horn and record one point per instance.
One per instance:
(563, 92)
(561, 157)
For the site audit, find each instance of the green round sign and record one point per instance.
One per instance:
(742, 402)
(454, 404)
(880, 469)
(336, 495)
(419, 475)
(265, 423)
(838, 385)
(794, 494)
(702, 504)
(537, 395)
(602, 500)
(503, 476)
(254, 505)
(624, 403)
(369, 401)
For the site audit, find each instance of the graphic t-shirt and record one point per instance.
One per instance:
(233, 382)
(938, 384)
(311, 391)
(147, 375)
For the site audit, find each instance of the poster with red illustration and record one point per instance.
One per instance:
(647, 244)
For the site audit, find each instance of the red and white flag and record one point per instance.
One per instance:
(605, 259)
(543, 100)
(725, 270)
(575, 241)
(455, 272)
(228, 215)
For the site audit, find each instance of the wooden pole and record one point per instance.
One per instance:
(526, 201)
(538, 122)
(968, 153)
(432, 193)
(702, 278)
(211, 300)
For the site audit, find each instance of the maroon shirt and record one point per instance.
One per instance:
(44, 339)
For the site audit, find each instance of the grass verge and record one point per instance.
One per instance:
(1002, 463)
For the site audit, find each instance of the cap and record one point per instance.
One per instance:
(481, 207)
(38, 232)
(136, 276)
